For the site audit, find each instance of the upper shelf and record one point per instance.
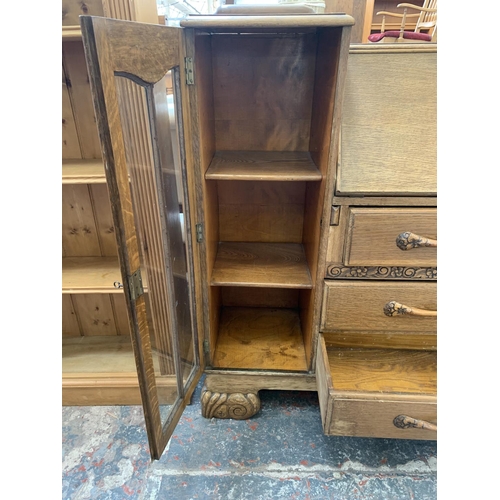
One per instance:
(83, 171)
(263, 166)
(90, 275)
(270, 265)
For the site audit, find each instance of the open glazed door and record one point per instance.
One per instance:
(134, 72)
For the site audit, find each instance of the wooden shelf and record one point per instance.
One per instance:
(261, 339)
(90, 275)
(97, 355)
(83, 172)
(270, 265)
(102, 371)
(263, 166)
(380, 370)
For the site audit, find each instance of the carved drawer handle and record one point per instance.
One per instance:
(394, 308)
(405, 422)
(408, 240)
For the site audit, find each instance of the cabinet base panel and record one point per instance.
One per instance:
(234, 394)
(111, 389)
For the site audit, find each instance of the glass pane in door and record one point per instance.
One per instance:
(154, 161)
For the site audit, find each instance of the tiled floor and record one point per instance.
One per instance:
(281, 453)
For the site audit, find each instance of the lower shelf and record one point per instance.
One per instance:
(101, 371)
(260, 339)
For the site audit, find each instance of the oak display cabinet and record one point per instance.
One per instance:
(221, 195)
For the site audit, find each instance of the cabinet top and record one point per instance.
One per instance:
(268, 21)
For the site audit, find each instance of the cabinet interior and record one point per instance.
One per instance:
(265, 102)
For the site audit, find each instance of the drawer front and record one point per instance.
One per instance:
(391, 237)
(375, 418)
(372, 413)
(358, 306)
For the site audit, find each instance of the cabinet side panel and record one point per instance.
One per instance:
(325, 82)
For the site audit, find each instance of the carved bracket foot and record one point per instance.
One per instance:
(235, 405)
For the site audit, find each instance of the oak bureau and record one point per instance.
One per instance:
(273, 191)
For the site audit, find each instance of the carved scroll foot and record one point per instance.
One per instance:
(235, 405)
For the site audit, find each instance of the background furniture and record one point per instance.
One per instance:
(97, 358)
(425, 27)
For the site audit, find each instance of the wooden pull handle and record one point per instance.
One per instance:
(405, 422)
(394, 308)
(409, 240)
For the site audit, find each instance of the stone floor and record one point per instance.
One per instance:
(279, 453)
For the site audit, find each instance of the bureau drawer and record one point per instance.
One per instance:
(376, 392)
(363, 306)
(391, 237)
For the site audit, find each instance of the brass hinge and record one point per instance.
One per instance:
(335, 215)
(189, 67)
(199, 233)
(205, 346)
(135, 285)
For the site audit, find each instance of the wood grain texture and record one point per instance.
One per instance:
(83, 171)
(273, 22)
(359, 306)
(312, 317)
(104, 220)
(121, 314)
(263, 92)
(372, 232)
(261, 211)
(357, 416)
(139, 49)
(95, 355)
(378, 370)
(382, 340)
(90, 275)
(79, 231)
(363, 390)
(151, 50)
(95, 313)
(324, 382)
(81, 98)
(273, 265)
(399, 157)
(140, 162)
(263, 166)
(70, 144)
(70, 326)
(258, 338)
(198, 113)
(234, 296)
(246, 381)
